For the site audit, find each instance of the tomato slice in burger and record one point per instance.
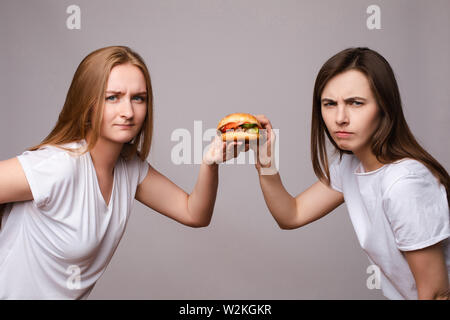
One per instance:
(228, 126)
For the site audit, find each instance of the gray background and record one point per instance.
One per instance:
(209, 58)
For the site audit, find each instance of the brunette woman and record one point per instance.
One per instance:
(396, 193)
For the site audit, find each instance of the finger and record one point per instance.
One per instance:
(272, 136)
(224, 150)
(217, 139)
(263, 136)
(215, 145)
(235, 149)
(261, 117)
(264, 121)
(228, 150)
(224, 147)
(224, 154)
(253, 144)
(268, 136)
(242, 147)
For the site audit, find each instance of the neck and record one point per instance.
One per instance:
(105, 154)
(368, 160)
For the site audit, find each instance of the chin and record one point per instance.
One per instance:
(124, 139)
(127, 140)
(345, 147)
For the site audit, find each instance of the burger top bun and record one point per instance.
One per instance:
(240, 118)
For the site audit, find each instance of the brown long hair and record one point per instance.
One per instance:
(85, 99)
(393, 140)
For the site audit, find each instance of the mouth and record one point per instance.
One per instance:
(343, 134)
(125, 126)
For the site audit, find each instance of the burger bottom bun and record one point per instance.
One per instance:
(234, 136)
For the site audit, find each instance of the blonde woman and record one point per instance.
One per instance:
(66, 201)
(396, 193)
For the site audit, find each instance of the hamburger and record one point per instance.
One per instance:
(239, 126)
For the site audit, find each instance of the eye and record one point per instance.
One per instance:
(139, 99)
(329, 103)
(357, 103)
(111, 98)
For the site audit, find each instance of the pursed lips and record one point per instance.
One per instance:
(343, 134)
(124, 125)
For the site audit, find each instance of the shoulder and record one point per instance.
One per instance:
(51, 159)
(49, 171)
(415, 204)
(407, 166)
(136, 167)
(408, 177)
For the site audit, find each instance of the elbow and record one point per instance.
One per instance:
(282, 226)
(287, 219)
(436, 295)
(200, 223)
(443, 295)
(286, 226)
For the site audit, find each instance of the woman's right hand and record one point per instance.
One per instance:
(221, 151)
(264, 153)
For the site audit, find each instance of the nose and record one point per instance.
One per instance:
(341, 115)
(126, 109)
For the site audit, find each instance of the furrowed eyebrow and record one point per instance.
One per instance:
(120, 92)
(346, 100)
(355, 98)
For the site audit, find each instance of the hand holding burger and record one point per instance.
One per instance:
(235, 131)
(239, 126)
(264, 150)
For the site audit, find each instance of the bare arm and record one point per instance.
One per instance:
(195, 209)
(289, 212)
(310, 205)
(13, 182)
(430, 272)
(164, 196)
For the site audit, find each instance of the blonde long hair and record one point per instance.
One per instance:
(86, 97)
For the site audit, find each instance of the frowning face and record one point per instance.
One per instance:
(350, 111)
(125, 104)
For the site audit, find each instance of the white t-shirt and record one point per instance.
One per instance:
(398, 207)
(57, 245)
